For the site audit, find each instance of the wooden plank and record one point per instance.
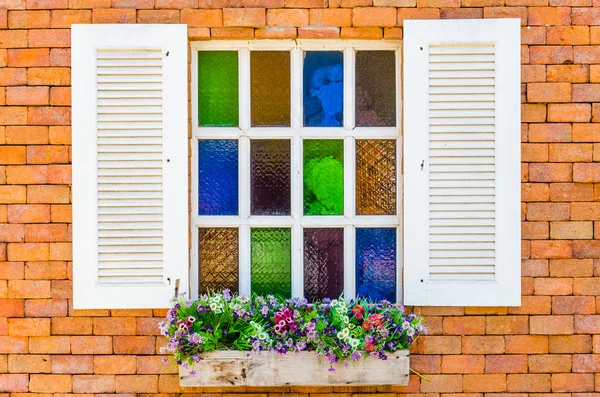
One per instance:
(233, 368)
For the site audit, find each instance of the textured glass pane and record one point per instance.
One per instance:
(218, 177)
(271, 261)
(323, 177)
(376, 263)
(323, 263)
(218, 259)
(270, 177)
(323, 88)
(375, 89)
(270, 88)
(375, 177)
(217, 88)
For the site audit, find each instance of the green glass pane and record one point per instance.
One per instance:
(218, 88)
(323, 177)
(271, 261)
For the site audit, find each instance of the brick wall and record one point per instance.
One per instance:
(550, 344)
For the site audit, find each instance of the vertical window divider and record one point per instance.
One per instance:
(399, 181)
(244, 87)
(349, 60)
(244, 266)
(296, 180)
(349, 262)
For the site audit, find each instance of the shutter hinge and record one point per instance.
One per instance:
(422, 164)
(176, 288)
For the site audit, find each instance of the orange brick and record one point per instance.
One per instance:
(105, 15)
(93, 384)
(13, 76)
(527, 344)
(50, 345)
(27, 95)
(134, 344)
(586, 363)
(18, 135)
(91, 344)
(158, 16)
(464, 326)
(570, 152)
(594, 72)
(535, 192)
(46, 233)
(533, 73)
(288, 17)
(13, 38)
(588, 324)
(586, 92)
(176, 4)
(72, 364)
(555, 325)
(568, 73)
(46, 4)
(48, 194)
(155, 365)
(316, 32)
(505, 364)
(232, 33)
(202, 18)
(13, 115)
(586, 16)
(568, 35)
(553, 286)
(28, 213)
(14, 383)
(63, 289)
(571, 268)
(417, 13)
(61, 213)
(462, 364)
(46, 307)
(136, 383)
(11, 233)
(49, 38)
(549, 92)
(47, 154)
(49, 115)
(586, 172)
(332, 17)
(440, 345)
(585, 211)
(443, 384)
(28, 19)
(586, 54)
(28, 57)
(532, 268)
(483, 345)
(544, 16)
(29, 363)
(61, 251)
(72, 326)
(114, 326)
(48, 76)
(571, 344)
(534, 152)
(306, 3)
(29, 174)
(587, 286)
(550, 172)
(534, 230)
(503, 325)
(361, 33)
(571, 192)
(28, 288)
(570, 112)
(105, 365)
(59, 135)
(571, 230)
(528, 382)
(50, 383)
(550, 132)
(572, 382)
(374, 17)
(573, 305)
(65, 18)
(29, 326)
(250, 17)
(276, 33)
(547, 54)
(60, 57)
(11, 271)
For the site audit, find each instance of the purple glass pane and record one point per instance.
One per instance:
(323, 263)
(376, 263)
(270, 176)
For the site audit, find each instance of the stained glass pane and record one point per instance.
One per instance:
(323, 88)
(323, 263)
(218, 88)
(375, 177)
(218, 259)
(270, 88)
(218, 177)
(270, 177)
(375, 88)
(376, 263)
(323, 177)
(271, 261)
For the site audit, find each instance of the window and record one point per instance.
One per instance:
(296, 164)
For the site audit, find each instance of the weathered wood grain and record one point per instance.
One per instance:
(233, 368)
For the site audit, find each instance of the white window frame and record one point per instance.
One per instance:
(296, 132)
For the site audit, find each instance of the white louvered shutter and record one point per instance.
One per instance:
(462, 228)
(130, 165)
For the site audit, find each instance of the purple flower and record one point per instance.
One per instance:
(289, 342)
(193, 372)
(195, 339)
(264, 310)
(227, 294)
(355, 356)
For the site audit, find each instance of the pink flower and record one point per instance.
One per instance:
(369, 346)
(358, 311)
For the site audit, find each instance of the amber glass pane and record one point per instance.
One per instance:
(270, 176)
(218, 259)
(375, 88)
(270, 88)
(323, 263)
(375, 177)
(271, 261)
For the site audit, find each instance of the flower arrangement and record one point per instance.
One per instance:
(331, 328)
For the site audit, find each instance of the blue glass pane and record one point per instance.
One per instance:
(376, 263)
(218, 177)
(323, 88)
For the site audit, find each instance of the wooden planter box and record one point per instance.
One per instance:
(233, 368)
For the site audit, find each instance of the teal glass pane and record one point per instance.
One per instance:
(271, 261)
(323, 177)
(218, 88)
